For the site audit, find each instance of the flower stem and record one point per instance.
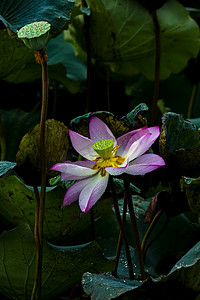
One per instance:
(157, 67)
(40, 202)
(134, 226)
(92, 224)
(119, 243)
(36, 287)
(122, 229)
(190, 107)
(150, 228)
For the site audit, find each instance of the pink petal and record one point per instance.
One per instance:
(74, 170)
(143, 144)
(145, 164)
(138, 147)
(99, 130)
(93, 191)
(128, 138)
(116, 171)
(126, 141)
(82, 145)
(74, 191)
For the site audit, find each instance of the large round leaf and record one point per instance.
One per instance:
(62, 266)
(123, 33)
(17, 13)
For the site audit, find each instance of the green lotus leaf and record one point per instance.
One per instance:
(17, 205)
(122, 33)
(62, 267)
(15, 124)
(191, 187)
(13, 55)
(18, 13)
(180, 133)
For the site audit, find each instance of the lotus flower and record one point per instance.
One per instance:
(105, 155)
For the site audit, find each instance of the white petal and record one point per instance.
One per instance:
(145, 164)
(82, 145)
(100, 131)
(93, 191)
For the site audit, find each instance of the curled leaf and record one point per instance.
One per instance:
(29, 155)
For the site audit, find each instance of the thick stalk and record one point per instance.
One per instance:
(134, 227)
(122, 229)
(38, 266)
(157, 67)
(43, 145)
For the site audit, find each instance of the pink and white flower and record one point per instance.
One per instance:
(105, 155)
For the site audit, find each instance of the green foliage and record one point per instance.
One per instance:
(16, 14)
(15, 124)
(191, 189)
(61, 266)
(28, 157)
(123, 34)
(180, 143)
(103, 53)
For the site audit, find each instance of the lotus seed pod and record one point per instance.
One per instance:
(35, 35)
(104, 148)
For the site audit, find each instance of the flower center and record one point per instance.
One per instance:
(104, 148)
(107, 157)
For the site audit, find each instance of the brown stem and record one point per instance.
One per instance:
(89, 62)
(156, 237)
(108, 87)
(40, 205)
(92, 224)
(150, 228)
(134, 227)
(157, 67)
(190, 107)
(122, 229)
(43, 145)
(119, 243)
(36, 288)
